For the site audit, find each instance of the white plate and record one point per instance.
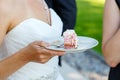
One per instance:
(84, 43)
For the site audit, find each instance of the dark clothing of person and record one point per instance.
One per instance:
(114, 73)
(66, 9)
(118, 3)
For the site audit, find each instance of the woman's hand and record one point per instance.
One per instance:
(37, 52)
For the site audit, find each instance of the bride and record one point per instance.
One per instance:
(26, 27)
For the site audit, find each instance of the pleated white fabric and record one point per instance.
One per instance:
(28, 31)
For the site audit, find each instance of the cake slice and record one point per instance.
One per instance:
(70, 39)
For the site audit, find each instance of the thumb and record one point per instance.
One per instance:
(42, 43)
(57, 53)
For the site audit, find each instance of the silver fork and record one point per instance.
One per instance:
(57, 45)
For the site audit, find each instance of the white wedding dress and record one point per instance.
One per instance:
(28, 31)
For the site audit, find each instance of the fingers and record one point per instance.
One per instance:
(41, 43)
(41, 53)
(55, 53)
(44, 58)
(48, 51)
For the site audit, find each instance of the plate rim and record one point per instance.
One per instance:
(74, 50)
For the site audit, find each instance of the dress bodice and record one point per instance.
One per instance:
(28, 31)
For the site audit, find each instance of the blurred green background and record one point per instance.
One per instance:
(89, 20)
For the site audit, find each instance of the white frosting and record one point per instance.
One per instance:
(70, 38)
(69, 32)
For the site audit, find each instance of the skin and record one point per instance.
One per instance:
(111, 33)
(35, 51)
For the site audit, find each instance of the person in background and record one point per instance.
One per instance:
(111, 37)
(67, 11)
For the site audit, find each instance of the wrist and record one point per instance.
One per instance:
(25, 56)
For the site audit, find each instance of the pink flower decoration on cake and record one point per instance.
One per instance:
(70, 39)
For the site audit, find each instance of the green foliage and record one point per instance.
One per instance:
(89, 20)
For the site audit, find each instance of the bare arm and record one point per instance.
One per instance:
(111, 33)
(11, 64)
